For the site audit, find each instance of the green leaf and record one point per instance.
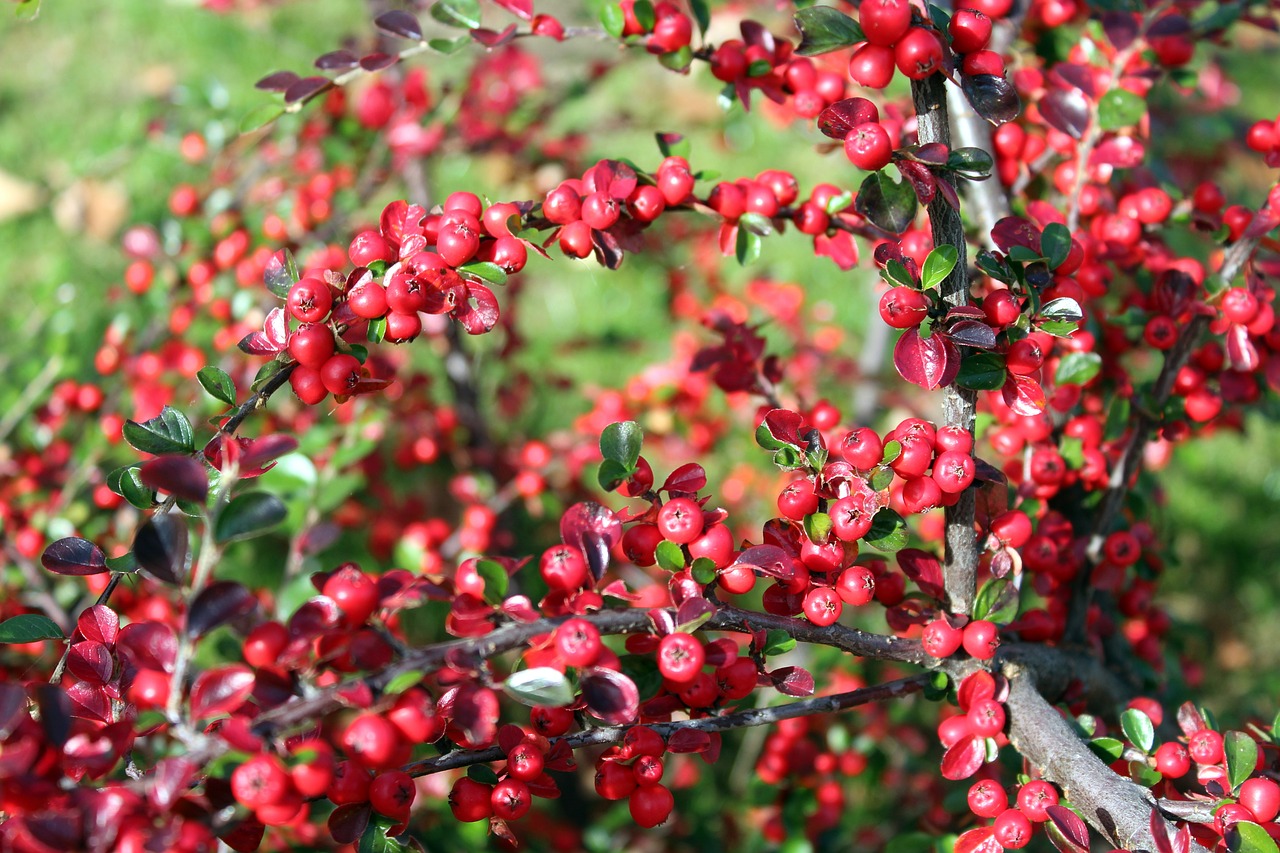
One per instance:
(28, 10)
(938, 265)
(817, 526)
(839, 202)
(496, 580)
(890, 205)
(756, 223)
(219, 385)
(1072, 450)
(483, 773)
(247, 516)
(485, 270)
(765, 439)
(981, 371)
(377, 330)
(972, 161)
(892, 450)
(888, 531)
(541, 685)
(464, 14)
(824, 29)
(29, 627)
(1144, 774)
(127, 483)
(994, 267)
(403, 682)
(677, 60)
(613, 474)
(621, 443)
(613, 20)
(747, 246)
(1120, 108)
(1055, 243)
(264, 374)
(1242, 757)
(1024, 255)
(703, 570)
(670, 556)
(778, 642)
(1077, 368)
(701, 15)
(1109, 749)
(375, 838)
(673, 144)
(1138, 729)
(1247, 837)
(896, 273)
(998, 601)
(167, 432)
(1064, 309)
(881, 478)
(291, 266)
(788, 458)
(448, 47)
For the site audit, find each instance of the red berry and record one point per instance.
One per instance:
(715, 544)
(986, 717)
(308, 385)
(265, 643)
(260, 781)
(650, 805)
(970, 30)
(856, 586)
(850, 519)
(981, 639)
(862, 448)
(904, 307)
(680, 520)
(392, 793)
(470, 800)
(872, 65)
(1034, 797)
(550, 722)
(578, 643)
(563, 567)
(869, 147)
(373, 742)
(822, 605)
(884, 22)
(309, 300)
(355, 593)
(312, 346)
(798, 499)
(1012, 829)
(680, 657)
(987, 798)
(953, 471)
(1205, 746)
(919, 53)
(640, 543)
(940, 639)
(614, 780)
(510, 799)
(340, 374)
(525, 762)
(1262, 797)
(1173, 760)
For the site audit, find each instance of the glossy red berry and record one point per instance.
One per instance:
(872, 65)
(904, 307)
(940, 639)
(340, 374)
(798, 499)
(986, 717)
(1034, 798)
(392, 793)
(919, 53)
(510, 799)
(525, 762)
(563, 567)
(373, 742)
(614, 780)
(954, 471)
(355, 593)
(987, 798)
(1262, 797)
(680, 657)
(1205, 746)
(970, 30)
(260, 781)
(1012, 829)
(578, 643)
(862, 448)
(265, 643)
(822, 606)
(1173, 760)
(869, 147)
(650, 805)
(470, 800)
(680, 520)
(312, 345)
(309, 300)
(884, 22)
(981, 639)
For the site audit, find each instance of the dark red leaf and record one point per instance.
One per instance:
(1169, 25)
(692, 608)
(1015, 231)
(974, 688)
(221, 691)
(1074, 75)
(784, 426)
(520, 608)
(480, 317)
(1066, 110)
(839, 247)
(688, 478)
(1263, 222)
(664, 621)
(91, 661)
(55, 712)
(398, 22)
(792, 681)
(57, 828)
(924, 569)
(1121, 28)
(272, 339)
(928, 362)
(161, 548)
(610, 695)
(13, 707)
(509, 737)
(1123, 152)
(922, 181)
(964, 758)
(90, 701)
(1190, 719)
(769, 560)
(181, 476)
(843, 116)
(992, 96)
(1023, 395)
(168, 781)
(594, 529)
(217, 604)
(1160, 832)
(317, 616)
(306, 89)
(257, 453)
(277, 82)
(347, 823)
(375, 62)
(1073, 829)
(972, 333)
(148, 645)
(618, 589)
(74, 556)
(473, 711)
(99, 623)
(685, 741)
(492, 38)
(355, 694)
(337, 60)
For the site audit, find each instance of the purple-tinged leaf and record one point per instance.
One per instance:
(663, 620)
(931, 362)
(400, 23)
(1066, 110)
(594, 529)
(74, 556)
(221, 691)
(168, 781)
(55, 712)
(792, 681)
(181, 476)
(306, 89)
(1121, 28)
(1190, 719)
(375, 62)
(148, 645)
(687, 741)
(964, 758)
(1160, 832)
(923, 568)
(843, 116)
(355, 694)
(689, 478)
(13, 707)
(890, 205)
(480, 317)
(1015, 231)
(1263, 222)
(348, 823)
(161, 548)
(769, 560)
(1073, 829)
(992, 96)
(57, 828)
(972, 333)
(1073, 75)
(610, 695)
(980, 840)
(91, 661)
(473, 711)
(492, 38)
(337, 60)
(90, 701)
(277, 82)
(1241, 353)
(520, 608)
(272, 339)
(277, 275)
(923, 182)
(693, 612)
(1169, 26)
(217, 604)
(316, 616)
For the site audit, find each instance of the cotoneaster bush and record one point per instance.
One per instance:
(348, 598)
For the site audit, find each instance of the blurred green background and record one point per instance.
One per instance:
(92, 109)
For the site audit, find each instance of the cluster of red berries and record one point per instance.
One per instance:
(773, 68)
(1013, 825)
(633, 771)
(1264, 137)
(943, 637)
(934, 464)
(509, 795)
(668, 28)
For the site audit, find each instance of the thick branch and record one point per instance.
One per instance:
(737, 720)
(961, 564)
(1113, 805)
